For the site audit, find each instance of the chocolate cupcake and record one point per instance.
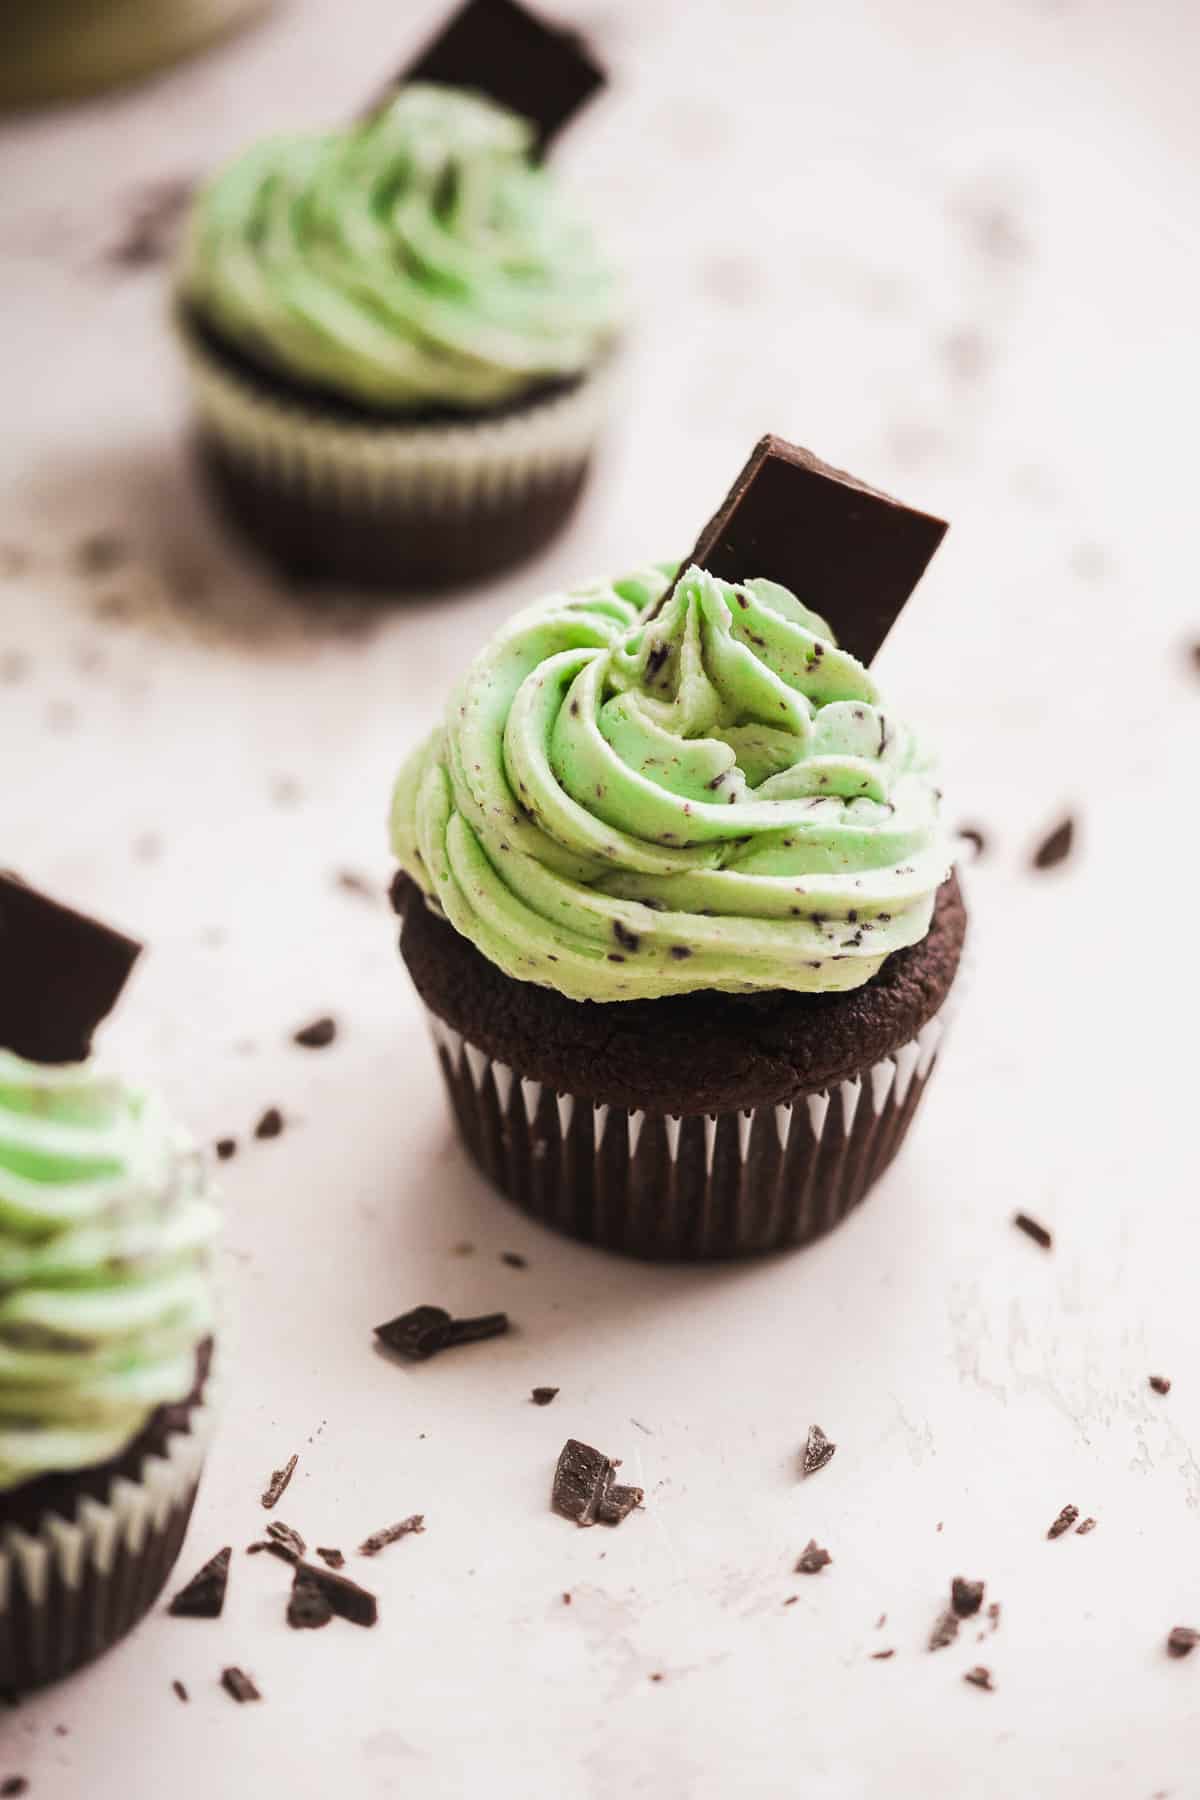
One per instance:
(106, 1307)
(675, 891)
(398, 337)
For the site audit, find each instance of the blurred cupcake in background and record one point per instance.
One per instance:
(106, 1307)
(398, 332)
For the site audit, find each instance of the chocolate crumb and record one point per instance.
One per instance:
(980, 1677)
(226, 1147)
(391, 1534)
(155, 218)
(317, 1035)
(791, 1600)
(14, 1785)
(425, 1330)
(813, 1559)
(881, 1655)
(351, 883)
(204, 1595)
(945, 1630)
(881, 1621)
(1057, 847)
(1085, 1526)
(278, 1483)
(566, 1599)
(975, 836)
(331, 1557)
(179, 1691)
(239, 1685)
(1064, 1521)
(270, 1125)
(817, 1450)
(1033, 1229)
(513, 1259)
(1182, 1640)
(542, 1396)
(343, 1596)
(584, 1490)
(966, 1597)
(1161, 1384)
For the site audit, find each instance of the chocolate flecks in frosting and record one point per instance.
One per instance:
(628, 940)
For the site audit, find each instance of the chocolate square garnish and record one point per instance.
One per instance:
(61, 973)
(584, 1490)
(503, 50)
(849, 552)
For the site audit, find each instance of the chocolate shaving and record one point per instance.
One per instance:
(1057, 847)
(317, 1035)
(542, 1396)
(391, 1534)
(974, 836)
(966, 1597)
(204, 1595)
(343, 1596)
(179, 1691)
(1182, 1640)
(1161, 1383)
(333, 1558)
(425, 1330)
(239, 1685)
(61, 973)
(812, 1559)
(270, 1125)
(945, 1630)
(980, 1677)
(1033, 1229)
(278, 1483)
(284, 1542)
(882, 1655)
(1064, 1521)
(845, 549)
(500, 49)
(352, 883)
(817, 1450)
(584, 1490)
(1085, 1526)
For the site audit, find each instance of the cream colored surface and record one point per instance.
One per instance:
(953, 249)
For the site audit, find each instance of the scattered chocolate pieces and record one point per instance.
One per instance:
(239, 1685)
(391, 1534)
(278, 1483)
(1057, 847)
(1161, 1384)
(945, 1631)
(61, 973)
(344, 1597)
(812, 1559)
(852, 553)
(226, 1147)
(308, 1608)
(882, 1655)
(817, 1450)
(1085, 1526)
(584, 1490)
(180, 1692)
(1033, 1229)
(1182, 1640)
(317, 1035)
(333, 1558)
(514, 57)
(542, 1396)
(1064, 1521)
(974, 835)
(514, 1259)
(966, 1597)
(270, 1125)
(204, 1595)
(425, 1330)
(980, 1677)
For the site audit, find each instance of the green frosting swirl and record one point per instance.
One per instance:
(105, 1246)
(416, 259)
(621, 807)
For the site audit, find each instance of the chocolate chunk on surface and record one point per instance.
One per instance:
(1034, 1229)
(980, 1677)
(1161, 1383)
(425, 1330)
(507, 52)
(1057, 847)
(308, 1607)
(817, 1450)
(344, 1597)
(61, 973)
(391, 1534)
(270, 1125)
(180, 1692)
(13, 1785)
(584, 1491)
(1182, 1640)
(813, 1559)
(1064, 1521)
(238, 1684)
(286, 1541)
(1085, 1527)
(542, 1396)
(204, 1595)
(331, 1557)
(882, 1655)
(277, 1485)
(849, 552)
(966, 1597)
(226, 1147)
(945, 1630)
(317, 1035)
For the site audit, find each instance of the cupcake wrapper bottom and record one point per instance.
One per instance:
(72, 1589)
(692, 1188)
(390, 506)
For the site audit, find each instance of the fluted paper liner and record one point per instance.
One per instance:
(688, 1187)
(71, 1589)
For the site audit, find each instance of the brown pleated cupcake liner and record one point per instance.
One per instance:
(74, 1588)
(686, 1188)
(383, 505)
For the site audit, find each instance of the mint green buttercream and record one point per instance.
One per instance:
(715, 797)
(105, 1245)
(416, 259)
